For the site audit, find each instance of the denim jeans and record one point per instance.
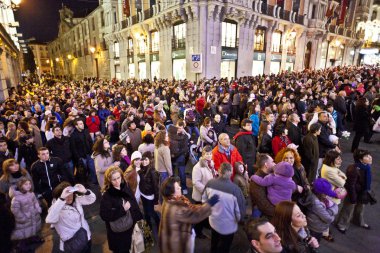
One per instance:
(90, 164)
(193, 129)
(180, 163)
(68, 171)
(163, 176)
(149, 213)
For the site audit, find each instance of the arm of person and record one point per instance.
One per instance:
(259, 197)
(204, 135)
(100, 165)
(108, 212)
(335, 178)
(197, 179)
(167, 161)
(323, 212)
(263, 181)
(87, 198)
(54, 211)
(193, 215)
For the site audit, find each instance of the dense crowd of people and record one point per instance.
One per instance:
(269, 144)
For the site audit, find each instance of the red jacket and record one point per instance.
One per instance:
(93, 126)
(219, 157)
(278, 144)
(200, 104)
(116, 112)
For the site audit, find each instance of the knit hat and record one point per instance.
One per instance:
(136, 155)
(322, 186)
(333, 138)
(284, 169)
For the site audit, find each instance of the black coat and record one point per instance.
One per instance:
(310, 155)
(111, 209)
(60, 148)
(340, 105)
(265, 145)
(29, 153)
(295, 134)
(7, 224)
(80, 144)
(323, 140)
(362, 120)
(246, 145)
(178, 142)
(148, 181)
(44, 183)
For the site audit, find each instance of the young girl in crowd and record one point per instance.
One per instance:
(280, 184)
(241, 178)
(26, 209)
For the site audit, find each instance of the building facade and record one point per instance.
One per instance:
(80, 50)
(41, 57)
(229, 38)
(10, 72)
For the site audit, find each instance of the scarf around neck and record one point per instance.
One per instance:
(368, 174)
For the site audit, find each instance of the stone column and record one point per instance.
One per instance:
(284, 52)
(268, 49)
(300, 50)
(210, 40)
(123, 55)
(3, 81)
(165, 54)
(192, 39)
(245, 49)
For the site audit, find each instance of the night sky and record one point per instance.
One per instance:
(39, 18)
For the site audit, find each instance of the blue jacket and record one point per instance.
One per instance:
(255, 123)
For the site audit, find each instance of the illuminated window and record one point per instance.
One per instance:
(259, 40)
(276, 42)
(179, 36)
(155, 37)
(229, 32)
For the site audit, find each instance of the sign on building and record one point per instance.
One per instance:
(196, 63)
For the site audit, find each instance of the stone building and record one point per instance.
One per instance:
(10, 73)
(228, 38)
(80, 50)
(41, 57)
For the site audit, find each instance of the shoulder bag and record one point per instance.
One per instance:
(123, 223)
(79, 241)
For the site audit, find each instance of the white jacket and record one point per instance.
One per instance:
(200, 176)
(68, 219)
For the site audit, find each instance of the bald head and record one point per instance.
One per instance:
(224, 140)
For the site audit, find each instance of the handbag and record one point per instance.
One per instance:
(142, 238)
(376, 126)
(79, 241)
(122, 224)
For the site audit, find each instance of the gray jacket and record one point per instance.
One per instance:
(319, 217)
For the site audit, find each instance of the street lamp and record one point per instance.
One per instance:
(57, 59)
(92, 50)
(69, 56)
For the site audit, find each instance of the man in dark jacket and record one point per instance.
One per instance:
(323, 139)
(258, 193)
(46, 174)
(294, 132)
(341, 109)
(179, 141)
(311, 151)
(59, 146)
(246, 145)
(81, 148)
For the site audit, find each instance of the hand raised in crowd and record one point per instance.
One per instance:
(127, 205)
(81, 188)
(299, 188)
(66, 192)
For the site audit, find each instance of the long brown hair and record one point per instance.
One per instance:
(160, 139)
(282, 221)
(8, 163)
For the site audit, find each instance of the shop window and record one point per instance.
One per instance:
(155, 39)
(116, 48)
(179, 36)
(259, 40)
(130, 47)
(276, 42)
(229, 34)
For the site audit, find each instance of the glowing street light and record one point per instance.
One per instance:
(92, 50)
(57, 59)
(69, 56)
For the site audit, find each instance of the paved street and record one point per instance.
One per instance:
(355, 240)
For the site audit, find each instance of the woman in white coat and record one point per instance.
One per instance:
(67, 216)
(203, 172)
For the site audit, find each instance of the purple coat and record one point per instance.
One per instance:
(279, 187)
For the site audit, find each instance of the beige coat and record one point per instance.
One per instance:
(163, 160)
(335, 176)
(200, 176)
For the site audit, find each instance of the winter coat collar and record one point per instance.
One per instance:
(242, 133)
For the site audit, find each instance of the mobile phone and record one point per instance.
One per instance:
(73, 189)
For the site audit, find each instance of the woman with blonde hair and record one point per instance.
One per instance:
(12, 173)
(117, 201)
